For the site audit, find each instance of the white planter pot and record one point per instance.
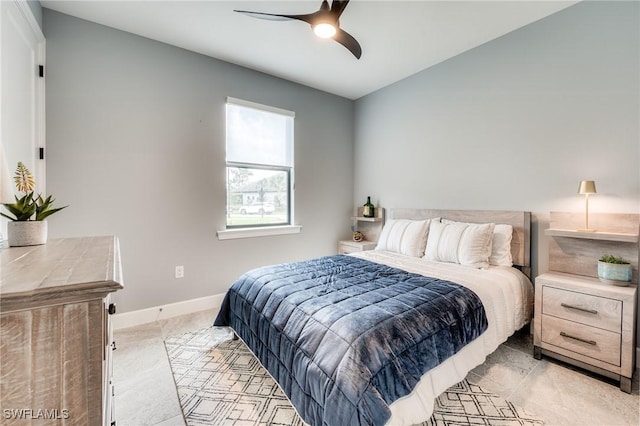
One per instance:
(615, 274)
(27, 233)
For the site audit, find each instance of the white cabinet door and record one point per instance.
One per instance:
(22, 129)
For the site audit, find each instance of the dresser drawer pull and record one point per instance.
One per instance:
(578, 308)
(590, 342)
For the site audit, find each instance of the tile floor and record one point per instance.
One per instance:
(555, 392)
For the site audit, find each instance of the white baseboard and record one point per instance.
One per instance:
(156, 313)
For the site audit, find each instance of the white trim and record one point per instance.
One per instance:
(156, 313)
(255, 105)
(31, 20)
(232, 234)
(39, 169)
(638, 359)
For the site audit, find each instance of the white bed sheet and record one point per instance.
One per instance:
(507, 296)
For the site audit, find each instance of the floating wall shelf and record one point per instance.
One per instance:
(368, 219)
(603, 236)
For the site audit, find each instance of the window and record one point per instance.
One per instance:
(259, 165)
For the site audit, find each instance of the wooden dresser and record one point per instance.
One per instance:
(55, 332)
(579, 319)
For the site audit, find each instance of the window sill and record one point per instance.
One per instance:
(232, 234)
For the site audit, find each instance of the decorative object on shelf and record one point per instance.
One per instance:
(23, 230)
(357, 236)
(368, 209)
(614, 270)
(586, 188)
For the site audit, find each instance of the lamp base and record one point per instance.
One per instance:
(587, 230)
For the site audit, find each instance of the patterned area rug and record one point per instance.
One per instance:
(220, 382)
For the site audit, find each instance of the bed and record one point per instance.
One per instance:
(374, 337)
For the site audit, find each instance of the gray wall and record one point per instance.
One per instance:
(135, 139)
(514, 124)
(135, 135)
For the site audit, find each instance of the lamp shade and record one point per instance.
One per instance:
(587, 187)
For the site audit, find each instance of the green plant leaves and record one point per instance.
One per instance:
(22, 209)
(43, 207)
(609, 258)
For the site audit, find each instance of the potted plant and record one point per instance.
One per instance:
(614, 270)
(28, 226)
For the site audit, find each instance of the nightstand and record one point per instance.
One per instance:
(370, 228)
(346, 246)
(584, 322)
(578, 319)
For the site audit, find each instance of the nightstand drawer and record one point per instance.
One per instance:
(588, 341)
(583, 308)
(346, 247)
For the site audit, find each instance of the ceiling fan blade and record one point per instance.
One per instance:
(337, 7)
(324, 14)
(276, 17)
(347, 40)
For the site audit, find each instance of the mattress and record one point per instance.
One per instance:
(507, 296)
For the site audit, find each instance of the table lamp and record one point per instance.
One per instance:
(586, 188)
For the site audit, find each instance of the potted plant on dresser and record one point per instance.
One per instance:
(614, 270)
(27, 226)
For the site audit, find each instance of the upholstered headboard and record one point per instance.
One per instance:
(519, 220)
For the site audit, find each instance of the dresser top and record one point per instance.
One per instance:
(68, 268)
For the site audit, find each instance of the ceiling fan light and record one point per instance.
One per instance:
(324, 30)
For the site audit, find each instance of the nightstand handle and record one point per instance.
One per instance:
(590, 342)
(577, 308)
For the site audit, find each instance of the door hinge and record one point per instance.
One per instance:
(41, 70)
(41, 153)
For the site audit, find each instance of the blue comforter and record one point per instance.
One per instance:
(345, 337)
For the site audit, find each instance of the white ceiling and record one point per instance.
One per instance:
(398, 38)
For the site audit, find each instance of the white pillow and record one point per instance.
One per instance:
(501, 247)
(404, 236)
(468, 244)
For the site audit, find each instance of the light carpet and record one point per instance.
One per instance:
(220, 382)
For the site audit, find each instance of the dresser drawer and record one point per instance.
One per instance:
(583, 308)
(588, 341)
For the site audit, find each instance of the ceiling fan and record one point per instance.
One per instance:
(325, 23)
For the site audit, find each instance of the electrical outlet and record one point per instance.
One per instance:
(179, 271)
